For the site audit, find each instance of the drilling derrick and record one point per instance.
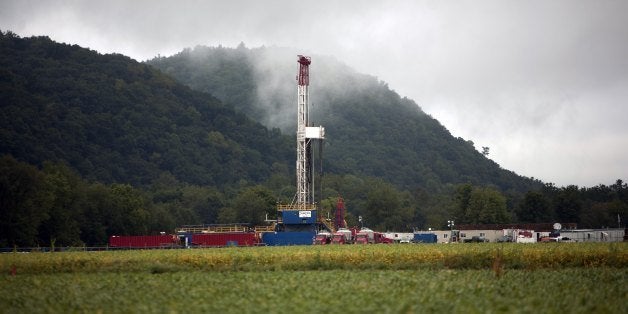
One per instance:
(303, 147)
(297, 222)
(305, 134)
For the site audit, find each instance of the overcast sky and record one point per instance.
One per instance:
(544, 83)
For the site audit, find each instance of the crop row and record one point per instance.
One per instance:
(366, 257)
(570, 290)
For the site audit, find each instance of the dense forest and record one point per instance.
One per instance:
(117, 120)
(94, 145)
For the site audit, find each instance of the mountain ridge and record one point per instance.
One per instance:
(371, 129)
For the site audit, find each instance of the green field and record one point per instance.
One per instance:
(464, 278)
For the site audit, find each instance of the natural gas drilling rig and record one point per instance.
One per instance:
(297, 222)
(305, 135)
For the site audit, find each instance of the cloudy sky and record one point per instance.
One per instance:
(543, 83)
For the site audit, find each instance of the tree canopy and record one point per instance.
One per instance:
(116, 120)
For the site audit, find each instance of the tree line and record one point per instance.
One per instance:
(54, 206)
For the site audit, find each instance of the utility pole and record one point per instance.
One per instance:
(450, 224)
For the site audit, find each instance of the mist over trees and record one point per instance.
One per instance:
(96, 145)
(371, 130)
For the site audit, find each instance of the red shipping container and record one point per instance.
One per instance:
(224, 239)
(143, 241)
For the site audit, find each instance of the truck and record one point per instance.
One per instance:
(323, 238)
(367, 235)
(520, 235)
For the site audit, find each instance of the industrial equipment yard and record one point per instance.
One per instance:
(410, 278)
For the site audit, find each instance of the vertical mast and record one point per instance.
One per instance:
(303, 145)
(339, 219)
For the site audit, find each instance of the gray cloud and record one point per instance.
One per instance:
(543, 83)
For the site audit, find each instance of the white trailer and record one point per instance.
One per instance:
(400, 237)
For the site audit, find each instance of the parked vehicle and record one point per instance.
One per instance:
(323, 238)
(548, 239)
(520, 235)
(475, 239)
(343, 236)
(367, 235)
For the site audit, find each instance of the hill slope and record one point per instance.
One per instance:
(371, 130)
(116, 120)
(193, 159)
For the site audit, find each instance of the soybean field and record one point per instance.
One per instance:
(421, 278)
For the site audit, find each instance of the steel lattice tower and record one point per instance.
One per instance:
(304, 194)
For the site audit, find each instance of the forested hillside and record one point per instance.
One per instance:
(96, 145)
(116, 120)
(371, 130)
(398, 167)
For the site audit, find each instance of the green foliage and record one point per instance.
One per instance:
(385, 210)
(127, 214)
(24, 202)
(116, 120)
(55, 206)
(370, 291)
(62, 226)
(602, 205)
(568, 204)
(534, 208)
(480, 206)
(95, 222)
(250, 206)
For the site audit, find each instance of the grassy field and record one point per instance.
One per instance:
(464, 278)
